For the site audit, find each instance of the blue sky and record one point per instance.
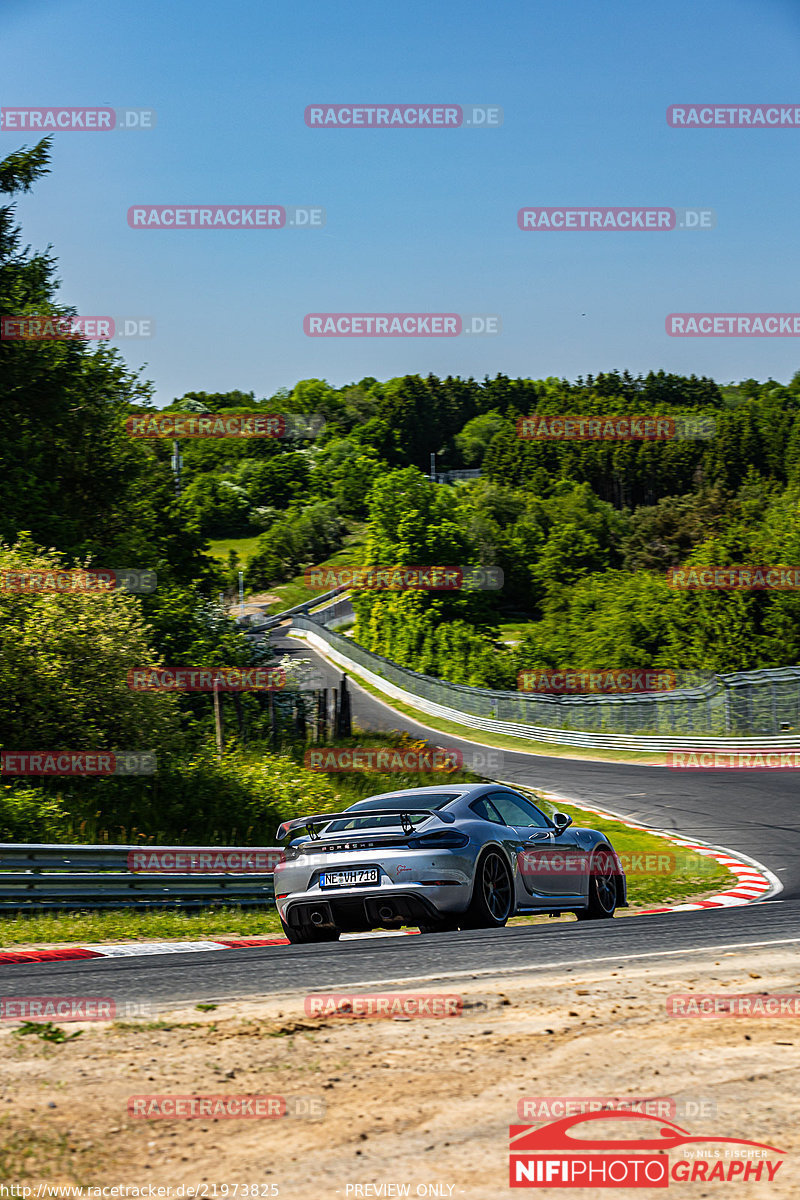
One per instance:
(417, 221)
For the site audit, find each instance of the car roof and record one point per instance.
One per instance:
(462, 793)
(457, 789)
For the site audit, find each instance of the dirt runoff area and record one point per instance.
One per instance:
(405, 1105)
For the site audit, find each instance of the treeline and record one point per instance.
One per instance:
(589, 579)
(583, 531)
(77, 491)
(273, 487)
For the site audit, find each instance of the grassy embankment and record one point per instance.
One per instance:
(295, 590)
(690, 878)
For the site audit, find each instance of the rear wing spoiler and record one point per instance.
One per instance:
(405, 814)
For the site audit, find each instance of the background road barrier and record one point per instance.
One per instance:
(38, 877)
(742, 710)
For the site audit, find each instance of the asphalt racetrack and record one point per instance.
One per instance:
(754, 814)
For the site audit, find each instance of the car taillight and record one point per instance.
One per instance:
(445, 839)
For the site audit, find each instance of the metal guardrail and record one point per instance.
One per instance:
(314, 602)
(272, 621)
(37, 877)
(730, 711)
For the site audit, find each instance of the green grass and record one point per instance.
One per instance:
(245, 547)
(295, 590)
(692, 877)
(686, 876)
(514, 631)
(22, 1152)
(124, 924)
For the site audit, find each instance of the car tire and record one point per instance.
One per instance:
(302, 934)
(492, 900)
(446, 925)
(602, 887)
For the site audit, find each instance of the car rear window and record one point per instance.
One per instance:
(362, 820)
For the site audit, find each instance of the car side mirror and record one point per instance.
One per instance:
(561, 822)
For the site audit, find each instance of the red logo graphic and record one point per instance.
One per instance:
(596, 218)
(384, 1004)
(740, 578)
(195, 1108)
(567, 681)
(733, 760)
(734, 116)
(199, 861)
(397, 578)
(213, 216)
(77, 762)
(195, 679)
(58, 1008)
(382, 324)
(52, 119)
(568, 864)
(212, 425)
(372, 758)
(551, 1156)
(711, 1004)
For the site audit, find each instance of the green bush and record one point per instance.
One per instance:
(27, 814)
(192, 801)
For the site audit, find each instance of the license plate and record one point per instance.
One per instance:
(354, 877)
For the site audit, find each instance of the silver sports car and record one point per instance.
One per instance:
(466, 856)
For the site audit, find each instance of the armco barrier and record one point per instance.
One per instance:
(748, 708)
(37, 877)
(271, 622)
(306, 605)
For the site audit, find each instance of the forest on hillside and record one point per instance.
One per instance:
(583, 531)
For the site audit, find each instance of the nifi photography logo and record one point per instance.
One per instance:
(553, 1156)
